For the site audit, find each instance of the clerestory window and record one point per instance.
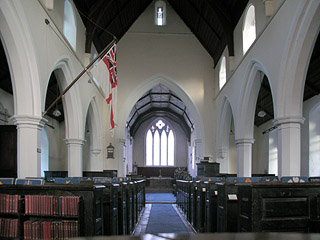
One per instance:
(249, 29)
(222, 73)
(69, 24)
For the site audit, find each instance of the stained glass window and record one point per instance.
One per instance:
(160, 145)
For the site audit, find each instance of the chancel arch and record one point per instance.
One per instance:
(158, 121)
(144, 87)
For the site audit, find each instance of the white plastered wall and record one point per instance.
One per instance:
(38, 52)
(282, 51)
(170, 55)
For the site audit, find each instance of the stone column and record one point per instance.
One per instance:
(75, 161)
(28, 145)
(289, 145)
(244, 157)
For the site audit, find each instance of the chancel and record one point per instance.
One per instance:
(160, 117)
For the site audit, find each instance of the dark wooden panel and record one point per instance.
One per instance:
(155, 171)
(104, 173)
(206, 169)
(227, 210)
(210, 224)
(279, 207)
(8, 150)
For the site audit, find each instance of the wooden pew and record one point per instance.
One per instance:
(279, 207)
(211, 204)
(227, 209)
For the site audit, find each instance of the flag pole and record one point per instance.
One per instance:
(106, 49)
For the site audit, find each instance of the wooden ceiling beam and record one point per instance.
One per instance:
(204, 20)
(225, 22)
(90, 17)
(178, 5)
(312, 88)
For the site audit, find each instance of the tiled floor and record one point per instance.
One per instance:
(160, 198)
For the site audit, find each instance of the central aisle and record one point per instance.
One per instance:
(164, 219)
(162, 216)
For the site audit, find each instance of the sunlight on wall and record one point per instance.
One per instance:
(193, 157)
(314, 149)
(314, 143)
(194, 87)
(44, 152)
(273, 153)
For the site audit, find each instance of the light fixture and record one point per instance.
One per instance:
(262, 114)
(56, 112)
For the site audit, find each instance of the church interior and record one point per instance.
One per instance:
(159, 119)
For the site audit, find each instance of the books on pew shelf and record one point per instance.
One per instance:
(9, 203)
(52, 205)
(8, 228)
(57, 229)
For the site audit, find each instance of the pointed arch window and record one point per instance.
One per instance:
(160, 12)
(249, 29)
(222, 73)
(69, 24)
(160, 145)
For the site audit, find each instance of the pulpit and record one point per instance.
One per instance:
(160, 182)
(208, 169)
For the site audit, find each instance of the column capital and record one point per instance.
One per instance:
(288, 120)
(77, 141)
(268, 7)
(222, 153)
(231, 63)
(244, 141)
(28, 121)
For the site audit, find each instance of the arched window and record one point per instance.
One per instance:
(160, 13)
(222, 73)
(160, 145)
(69, 24)
(249, 29)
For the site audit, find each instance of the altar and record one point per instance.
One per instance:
(160, 182)
(159, 179)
